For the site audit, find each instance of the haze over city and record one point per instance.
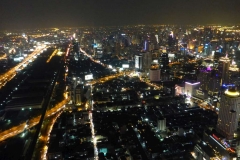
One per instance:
(71, 13)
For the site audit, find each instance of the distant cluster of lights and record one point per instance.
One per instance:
(10, 74)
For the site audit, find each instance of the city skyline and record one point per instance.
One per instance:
(125, 92)
(39, 14)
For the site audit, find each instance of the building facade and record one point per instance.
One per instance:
(229, 113)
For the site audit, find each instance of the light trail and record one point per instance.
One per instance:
(157, 87)
(45, 140)
(93, 136)
(3, 57)
(67, 52)
(90, 112)
(10, 74)
(31, 123)
(92, 58)
(107, 78)
(92, 128)
(53, 54)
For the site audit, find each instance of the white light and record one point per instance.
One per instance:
(218, 142)
(192, 83)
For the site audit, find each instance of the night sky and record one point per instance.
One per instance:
(61, 13)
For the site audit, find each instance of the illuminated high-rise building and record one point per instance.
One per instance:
(224, 63)
(164, 61)
(154, 72)
(157, 38)
(146, 60)
(228, 116)
(161, 124)
(73, 90)
(209, 80)
(190, 88)
(146, 45)
(138, 62)
(234, 74)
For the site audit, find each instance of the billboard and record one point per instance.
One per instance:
(171, 55)
(18, 59)
(125, 65)
(88, 77)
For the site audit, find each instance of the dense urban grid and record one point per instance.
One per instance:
(141, 92)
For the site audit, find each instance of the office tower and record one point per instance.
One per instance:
(157, 38)
(146, 61)
(164, 62)
(214, 44)
(76, 81)
(78, 94)
(117, 49)
(161, 124)
(76, 47)
(138, 62)
(190, 88)
(209, 80)
(223, 67)
(203, 78)
(229, 113)
(151, 47)
(214, 84)
(183, 50)
(72, 88)
(146, 45)
(234, 76)
(154, 72)
(170, 40)
(99, 52)
(207, 49)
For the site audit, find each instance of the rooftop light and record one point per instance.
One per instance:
(232, 93)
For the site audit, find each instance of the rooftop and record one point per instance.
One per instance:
(232, 93)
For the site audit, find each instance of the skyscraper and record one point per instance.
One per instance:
(147, 60)
(234, 74)
(154, 72)
(164, 62)
(209, 80)
(161, 124)
(229, 113)
(138, 62)
(224, 63)
(76, 47)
